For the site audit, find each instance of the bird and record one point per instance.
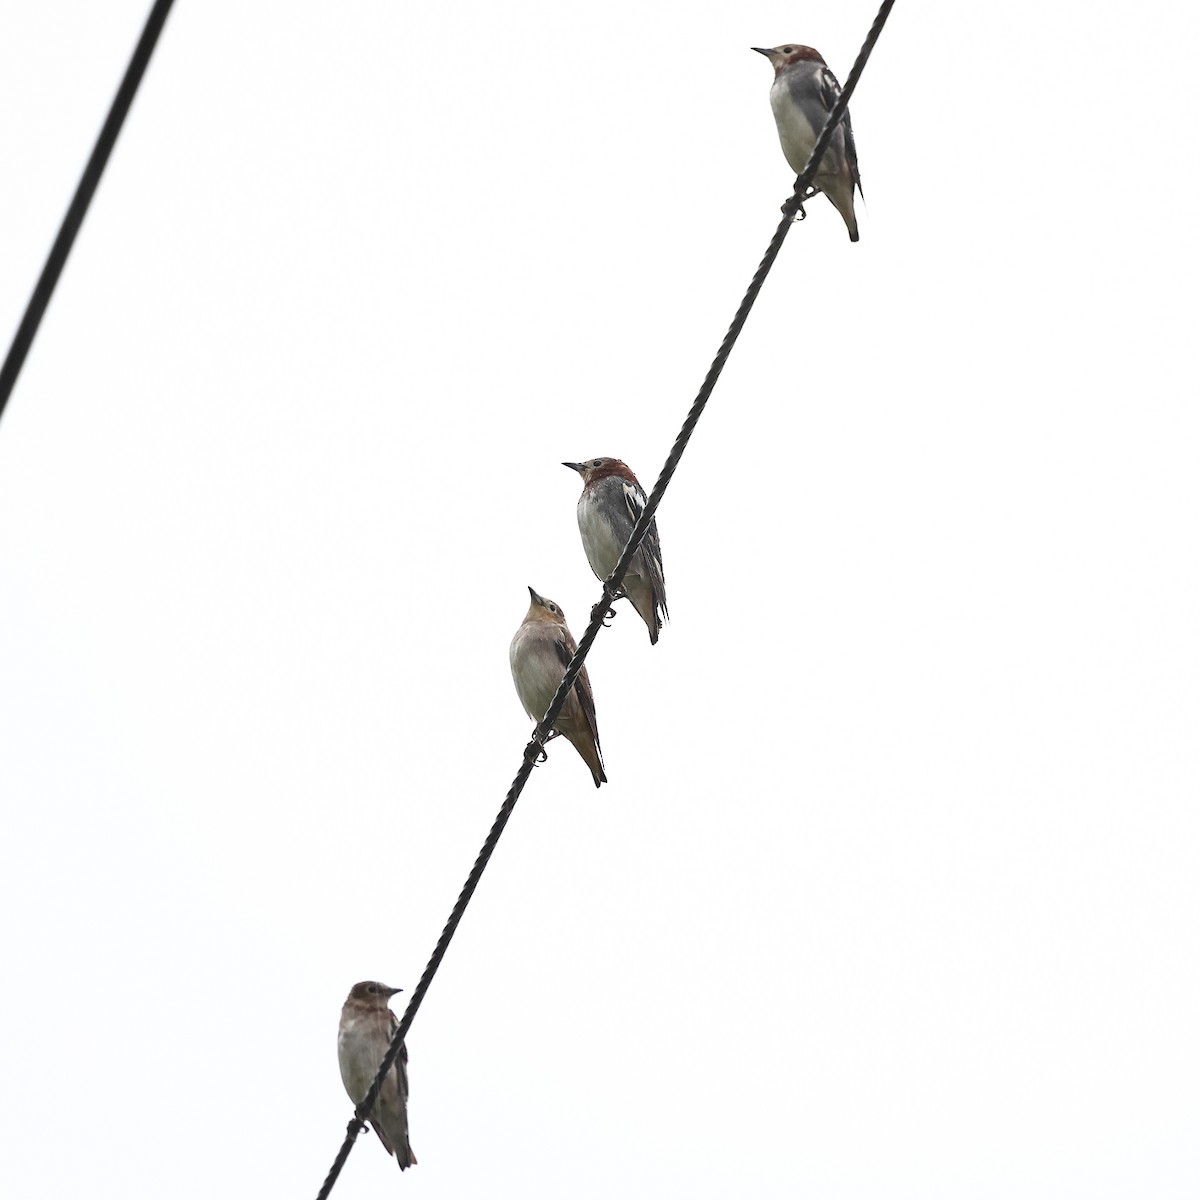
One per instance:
(538, 655)
(802, 95)
(609, 506)
(364, 1034)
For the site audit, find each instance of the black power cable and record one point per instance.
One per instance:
(611, 589)
(88, 182)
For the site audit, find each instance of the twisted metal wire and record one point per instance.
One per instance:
(85, 190)
(610, 593)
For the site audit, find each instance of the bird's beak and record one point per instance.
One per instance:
(534, 596)
(760, 50)
(574, 466)
(393, 991)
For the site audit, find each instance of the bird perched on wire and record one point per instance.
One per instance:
(539, 653)
(611, 502)
(802, 95)
(364, 1034)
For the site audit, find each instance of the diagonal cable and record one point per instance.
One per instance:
(611, 587)
(86, 189)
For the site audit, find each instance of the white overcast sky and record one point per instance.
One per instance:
(895, 889)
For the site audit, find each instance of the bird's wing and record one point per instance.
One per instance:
(830, 88)
(564, 644)
(635, 500)
(635, 504)
(401, 1058)
(830, 91)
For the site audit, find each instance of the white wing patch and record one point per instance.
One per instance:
(830, 91)
(634, 501)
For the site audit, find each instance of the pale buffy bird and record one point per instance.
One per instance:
(802, 95)
(364, 1034)
(611, 502)
(538, 655)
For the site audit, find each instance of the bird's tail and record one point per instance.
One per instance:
(642, 597)
(589, 751)
(841, 195)
(404, 1155)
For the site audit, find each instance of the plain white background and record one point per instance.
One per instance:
(893, 892)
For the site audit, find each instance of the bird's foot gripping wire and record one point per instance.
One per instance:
(536, 751)
(794, 205)
(605, 612)
(606, 605)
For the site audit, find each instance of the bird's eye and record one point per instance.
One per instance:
(373, 989)
(552, 607)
